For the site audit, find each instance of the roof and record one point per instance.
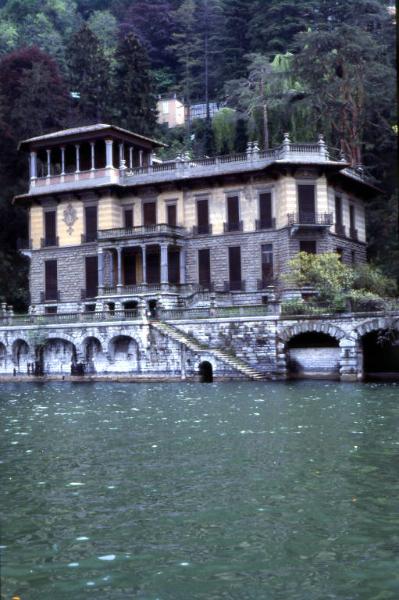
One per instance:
(98, 127)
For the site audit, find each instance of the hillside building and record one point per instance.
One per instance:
(109, 228)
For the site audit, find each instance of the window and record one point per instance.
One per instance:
(171, 215)
(50, 235)
(339, 227)
(50, 279)
(149, 214)
(128, 217)
(265, 210)
(204, 267)
(308, 246)
(91, 223)
(352, 216)
(91, 268)
(267, 263)
(203, 216)
(353, 257)
(306, 203)
(235, 268)
(233, 214)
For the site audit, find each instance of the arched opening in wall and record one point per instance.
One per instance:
(93, 354)
(3, 355)
(313, 355)
(58, 357)
(206, 372)
(20, 355)
(381, 354)
(124, 354)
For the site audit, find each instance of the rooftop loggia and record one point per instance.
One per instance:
(97, 155)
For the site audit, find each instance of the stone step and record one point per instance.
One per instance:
(222, 355)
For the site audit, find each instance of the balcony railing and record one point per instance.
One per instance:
(353, 234)
(88, 237)
(202, 229)
(265, 224)
(140, 231)
(232, 226)
(340, 229)
(234, 286)
(49, 241)
(310, 219)
(50, 296)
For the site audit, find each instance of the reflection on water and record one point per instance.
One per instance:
(184, 491)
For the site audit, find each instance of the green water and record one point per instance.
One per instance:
(190, 491)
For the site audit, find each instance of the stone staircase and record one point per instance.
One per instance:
(196, 346)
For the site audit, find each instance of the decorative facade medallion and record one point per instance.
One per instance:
(70, 217)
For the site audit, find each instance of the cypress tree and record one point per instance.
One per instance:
(135, 102)
(89, 75)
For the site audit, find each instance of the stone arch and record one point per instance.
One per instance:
(124, 355)
(92, 354)
(379, 323)
(20, 354)
(313, 354)
(313, 326)
(378, 348)
(57, 355)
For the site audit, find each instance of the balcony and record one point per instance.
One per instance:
(120, 233)
(353, 234)
(202, 229)
(234, 286)
(265, 224)
(230, 227)
(301, 220)
(50, 295)
(340, 229)
(48, 242)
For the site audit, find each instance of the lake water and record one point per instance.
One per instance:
(235, 491)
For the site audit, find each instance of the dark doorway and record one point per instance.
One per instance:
(308, 246)
(129, 266)
(206, 372)
(91, 266)
(152, 307)
(153, 266)
(235, 268)
(306, 203)
(204, 267)
(174, 266)
(381, 355)
(265, 210)
(149, 213)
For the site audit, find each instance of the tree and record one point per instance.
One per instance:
(134, 101)
(89, 75)
(105, 27)
(235, 41)
(185, 47)
(341, 71)
(275, 24)
(224, 130)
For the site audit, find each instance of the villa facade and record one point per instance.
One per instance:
(111, 226)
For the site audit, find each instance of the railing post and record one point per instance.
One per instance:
(119, 268)
(286, 145)
(322, 147)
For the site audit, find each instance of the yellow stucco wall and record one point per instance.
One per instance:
(284, 201)
(36, 225)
